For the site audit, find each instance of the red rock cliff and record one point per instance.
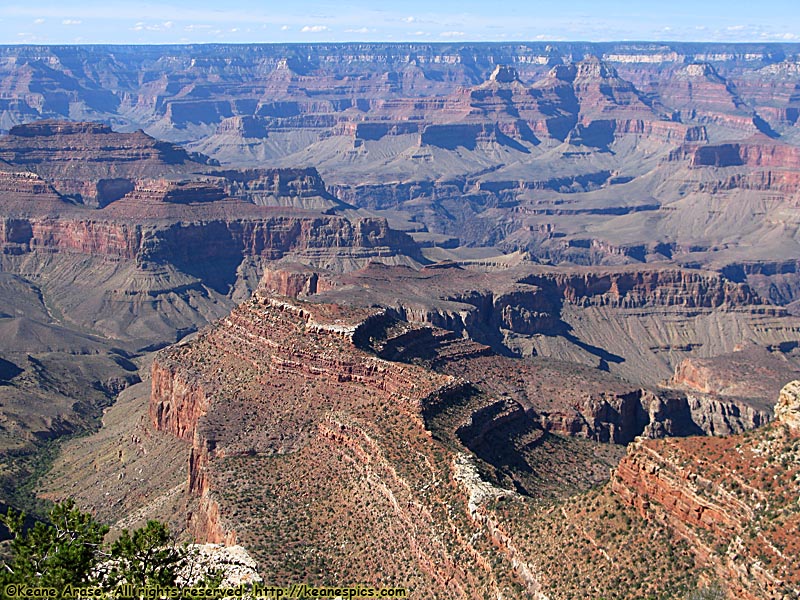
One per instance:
(732, 499)
(280, 344)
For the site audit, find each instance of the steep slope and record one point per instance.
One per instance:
(55, 381)
(733, 499)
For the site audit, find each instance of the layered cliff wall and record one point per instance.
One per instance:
(270, 236)
(261, 337)
(757, 164)
(535, 303)
(731, 498)
(186, 211)
(638, 288)
(613, 318)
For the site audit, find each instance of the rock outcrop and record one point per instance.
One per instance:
(787, 410)
(233, 563)
(748, 372)
(109, 164)
(582, 314)
(282, 381)
(731, 498)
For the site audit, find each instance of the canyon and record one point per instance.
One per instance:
(285, 389)
(132, 247)
(476, 320)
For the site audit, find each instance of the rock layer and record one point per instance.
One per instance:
(787, 410)
(715, 493)
(299, 386)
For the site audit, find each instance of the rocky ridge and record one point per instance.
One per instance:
(335, 361)
(336, 393)
(728, 498)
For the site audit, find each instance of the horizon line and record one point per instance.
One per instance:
(413, 43)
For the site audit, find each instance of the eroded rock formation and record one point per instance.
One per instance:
(787, 410)
(731, 498)
(284, 383)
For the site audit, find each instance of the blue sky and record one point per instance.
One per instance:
(235, 21)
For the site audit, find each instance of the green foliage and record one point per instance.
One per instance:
(145, 558)
(65, 551)
(70, 550)
(20, 473)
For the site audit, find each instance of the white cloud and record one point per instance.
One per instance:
(314, 28)
(409, 19)
(71, 22)
(452, 34)
(38, 21)
(359, 30)
(285, 28)
(142, 26)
